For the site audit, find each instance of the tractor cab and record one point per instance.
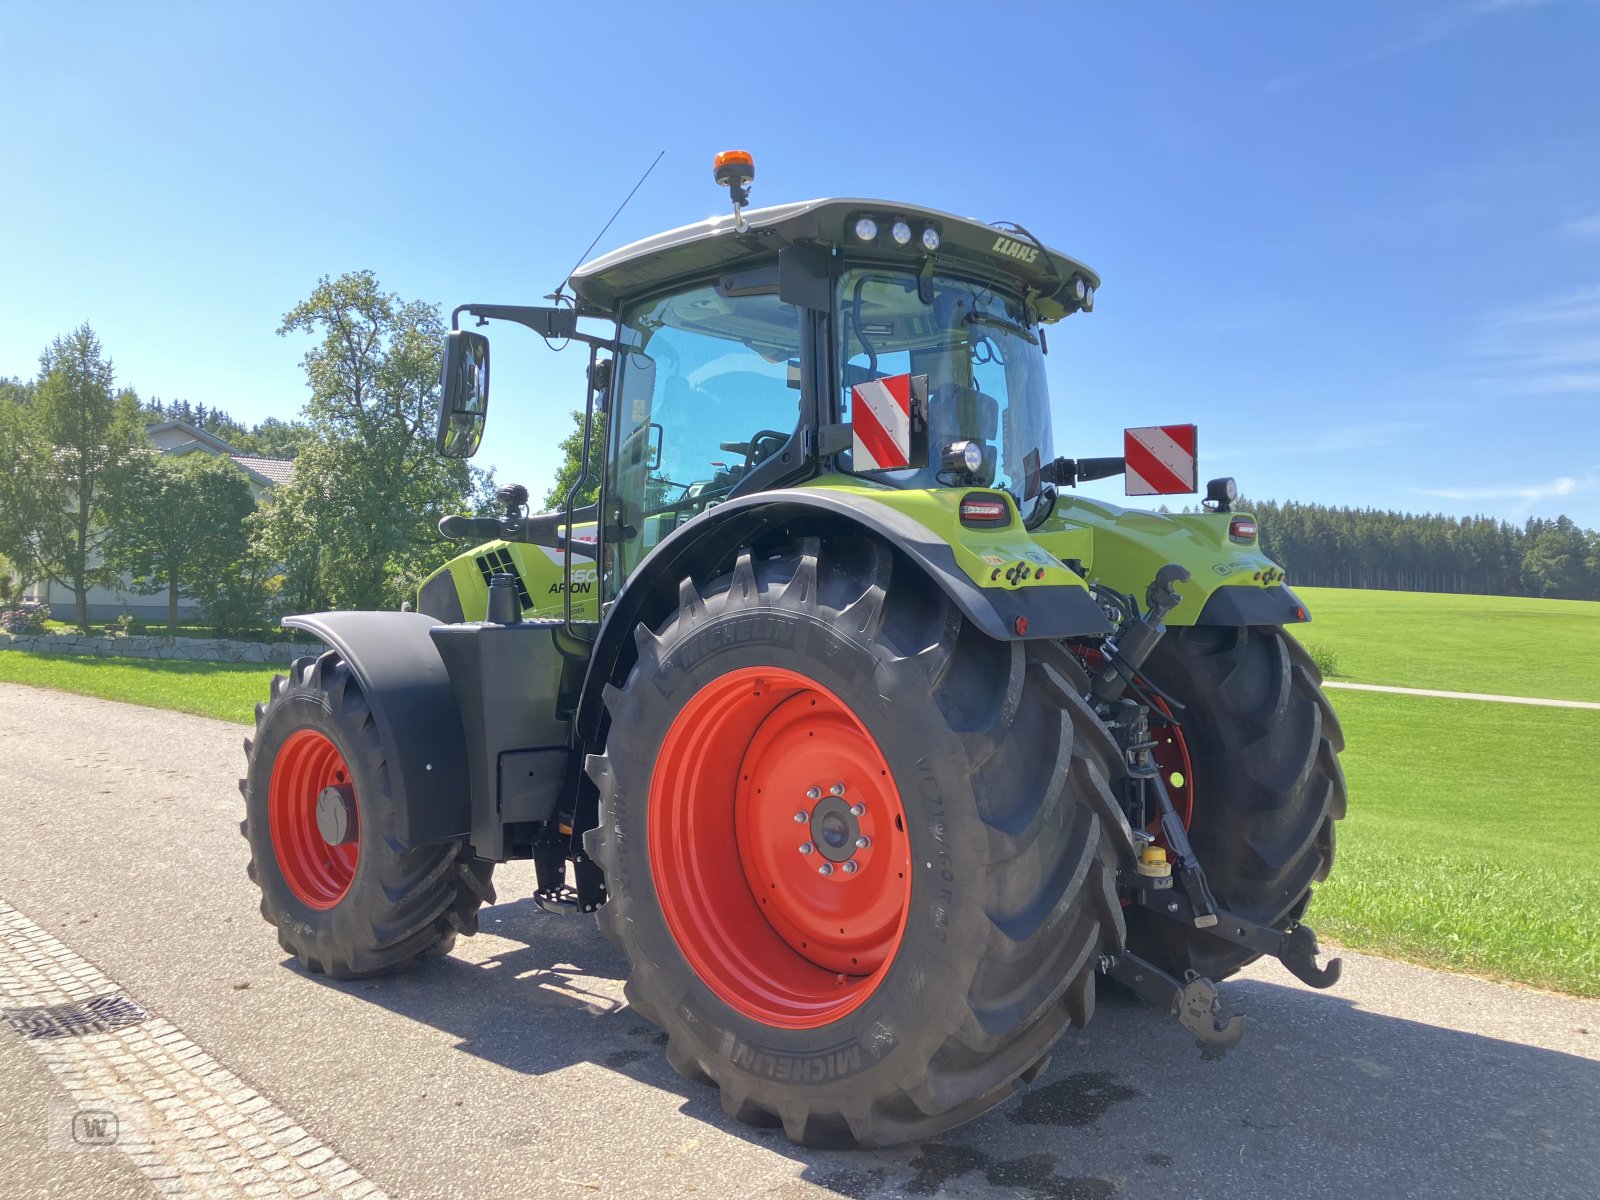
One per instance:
(889, 345)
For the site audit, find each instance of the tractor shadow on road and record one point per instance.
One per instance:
(1321, 1096)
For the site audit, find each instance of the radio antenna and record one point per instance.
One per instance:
(557, 295)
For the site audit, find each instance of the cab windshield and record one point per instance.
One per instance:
(984, 361)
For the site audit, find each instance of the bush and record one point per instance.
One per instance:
(24, 619)
(125, 625)
(1325, 657)
(237, 603)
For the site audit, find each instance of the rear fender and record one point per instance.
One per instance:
(708, 544)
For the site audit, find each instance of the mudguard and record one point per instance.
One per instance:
(404, 680)
(1230, 582)
(715, 536)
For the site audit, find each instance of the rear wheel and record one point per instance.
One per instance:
(347, 897)
(860, 856)
(1262, 743)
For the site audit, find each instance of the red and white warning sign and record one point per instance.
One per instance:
(885, 414)
(1161, 460)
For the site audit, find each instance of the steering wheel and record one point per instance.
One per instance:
(762, 445)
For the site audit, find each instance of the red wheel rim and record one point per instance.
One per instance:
(764, 925)
(318, 874)
(1172, 756)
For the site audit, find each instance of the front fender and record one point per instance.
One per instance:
(419, 721)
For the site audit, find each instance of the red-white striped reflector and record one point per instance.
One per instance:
(1161, 460)
(1242, 529)
(880, 424)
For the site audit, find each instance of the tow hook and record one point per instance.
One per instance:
(1296, 947)
(1194, 1001)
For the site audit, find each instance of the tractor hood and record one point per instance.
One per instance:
(964, 246)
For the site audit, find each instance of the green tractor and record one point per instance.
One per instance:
(872, 746)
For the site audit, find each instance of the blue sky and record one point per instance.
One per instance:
(1357, 243)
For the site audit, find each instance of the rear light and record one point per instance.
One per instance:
(1242, 529)
(985, 510)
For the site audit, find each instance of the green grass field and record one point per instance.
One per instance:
(1500, 644)
(1470, 838)
(1472, 826)
(227, 691)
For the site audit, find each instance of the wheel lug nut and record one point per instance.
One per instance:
(850, 867)
(813, 793)
(806, 847)
(858, 810)
(825, 869)
(863, 842)
(800, 818)
(836, 790)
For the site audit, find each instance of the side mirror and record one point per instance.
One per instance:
(464, 405)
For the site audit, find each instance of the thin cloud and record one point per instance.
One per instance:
(1563, 485)
(1583, 228)
(1343, 440)
(1548, 345)
(1447, 25)
(1437, 29)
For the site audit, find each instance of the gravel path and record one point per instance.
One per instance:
(1405, 691)
(515, 1068)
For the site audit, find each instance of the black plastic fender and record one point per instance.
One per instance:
(405, 682)
(1253, 606)
(713, 537)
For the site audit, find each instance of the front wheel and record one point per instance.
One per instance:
(861, 857)
(347, 898)
(1253, 764)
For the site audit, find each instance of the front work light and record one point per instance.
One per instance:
(901, 233)
(930, 239)
(963, 456)
(866, 228)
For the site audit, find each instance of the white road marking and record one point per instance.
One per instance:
(137, 1083)
(1404, 691)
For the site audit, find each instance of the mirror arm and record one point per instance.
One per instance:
(1069, 472)
(546, 322)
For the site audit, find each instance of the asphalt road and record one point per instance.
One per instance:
(514, 1068)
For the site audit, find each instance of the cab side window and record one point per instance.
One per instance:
(709, 387)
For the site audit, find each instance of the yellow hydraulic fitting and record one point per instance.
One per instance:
(1153, 863)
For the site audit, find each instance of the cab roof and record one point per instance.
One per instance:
(1004, 255)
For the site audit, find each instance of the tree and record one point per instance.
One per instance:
(28, 496)
(572, 463)
(178, 522)
(1556, 563)
(273, 438)
(356, 527)
(92, 431)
